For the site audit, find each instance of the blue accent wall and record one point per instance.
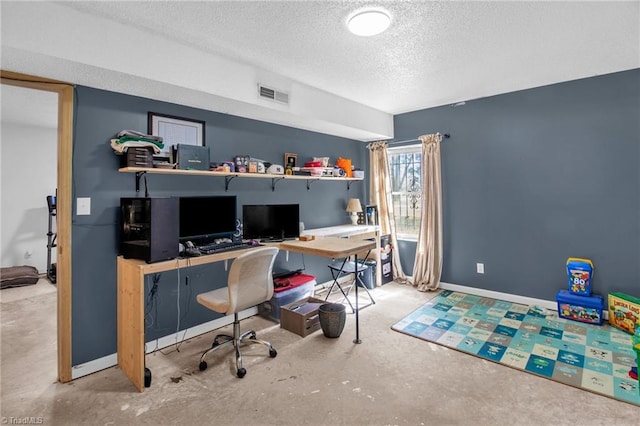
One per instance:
(533, 177)
(99, 116)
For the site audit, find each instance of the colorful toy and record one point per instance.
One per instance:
(624, 312)
(580, 272)
(586, 309)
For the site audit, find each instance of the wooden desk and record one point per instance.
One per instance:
(332, 247)
(335, 248)
(354, 232)
(131, 274)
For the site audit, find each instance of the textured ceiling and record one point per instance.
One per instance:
(211, 54)
(434, 53)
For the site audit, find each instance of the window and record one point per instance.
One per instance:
(405, 164)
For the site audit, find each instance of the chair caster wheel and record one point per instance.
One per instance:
(273, 353)
(241, 372)
(203, 365)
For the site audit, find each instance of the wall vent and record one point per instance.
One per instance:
(273, 94)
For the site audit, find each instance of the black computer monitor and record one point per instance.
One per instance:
(274, 222)
(207, 218)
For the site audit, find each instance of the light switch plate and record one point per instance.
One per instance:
(83, 206)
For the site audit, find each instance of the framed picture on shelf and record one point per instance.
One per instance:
(176, 130)
(371, 215)
(290, 160)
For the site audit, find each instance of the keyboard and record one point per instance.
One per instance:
(222, 247)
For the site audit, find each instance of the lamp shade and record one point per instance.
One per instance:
(354, 206)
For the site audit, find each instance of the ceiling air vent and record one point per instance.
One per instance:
(273, 94)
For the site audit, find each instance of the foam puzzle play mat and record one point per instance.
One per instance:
(595, 358)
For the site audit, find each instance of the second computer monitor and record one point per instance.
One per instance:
(206, 218)
(273, 222)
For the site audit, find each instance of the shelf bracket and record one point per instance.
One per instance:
(309, 182)
(138, 176)
(273, 183)
(228, 179)
(349, 182)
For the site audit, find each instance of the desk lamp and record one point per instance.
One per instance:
(354, 207)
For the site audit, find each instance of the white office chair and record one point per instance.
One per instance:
(249, 284)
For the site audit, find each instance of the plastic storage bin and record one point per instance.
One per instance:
(271, 309)
(369, 275)
(586, 309)
(579, 273)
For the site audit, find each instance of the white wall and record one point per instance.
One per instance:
(28, 169)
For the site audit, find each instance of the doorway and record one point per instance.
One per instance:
(64, 101)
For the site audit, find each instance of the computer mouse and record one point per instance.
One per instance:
(194, 252)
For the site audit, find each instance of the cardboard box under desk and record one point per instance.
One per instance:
(301, 317)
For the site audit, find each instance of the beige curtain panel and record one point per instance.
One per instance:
(380, 195)
(427, 267)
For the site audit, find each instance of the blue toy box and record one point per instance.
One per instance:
(586, 309)
(580, 273)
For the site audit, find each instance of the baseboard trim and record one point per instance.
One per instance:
(111, 360)
(94, 366)
(323, 287)
(513, 298)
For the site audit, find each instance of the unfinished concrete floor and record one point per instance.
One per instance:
(389, 379)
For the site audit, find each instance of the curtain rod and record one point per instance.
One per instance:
(446, 136)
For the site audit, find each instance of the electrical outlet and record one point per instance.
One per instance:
(83, 206)
(480, 268)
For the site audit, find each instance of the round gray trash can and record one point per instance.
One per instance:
(332, 318)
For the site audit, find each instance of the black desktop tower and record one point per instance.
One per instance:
(149, 228)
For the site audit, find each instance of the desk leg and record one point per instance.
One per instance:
(357, 339)
(131, 322)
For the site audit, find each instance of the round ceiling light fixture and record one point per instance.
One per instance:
(368, 22)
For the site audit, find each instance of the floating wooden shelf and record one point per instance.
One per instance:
(228, 177)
